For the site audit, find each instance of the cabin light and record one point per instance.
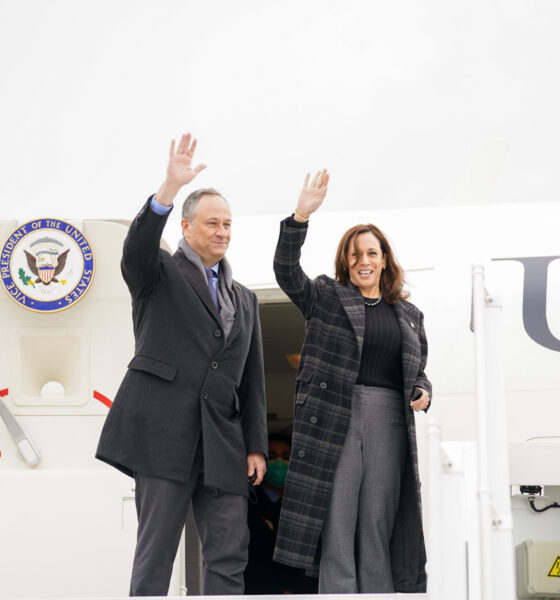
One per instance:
(293, 359)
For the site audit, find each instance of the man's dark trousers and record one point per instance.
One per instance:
(221, 520)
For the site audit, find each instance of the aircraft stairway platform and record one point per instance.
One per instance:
(267, 597)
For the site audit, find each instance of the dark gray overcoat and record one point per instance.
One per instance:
(328, 369)
(185, 381)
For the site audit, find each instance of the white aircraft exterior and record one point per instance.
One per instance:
(68, 521)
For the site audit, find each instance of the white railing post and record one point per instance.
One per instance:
(485, 514)
(494, 504)
(435, 537)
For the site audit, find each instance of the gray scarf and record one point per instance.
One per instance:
(226, 296)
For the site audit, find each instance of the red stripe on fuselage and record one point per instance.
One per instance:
(102, 398)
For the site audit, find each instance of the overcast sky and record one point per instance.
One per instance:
(407, 103)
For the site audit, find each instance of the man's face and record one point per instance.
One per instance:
(209, 231)
(278, 449)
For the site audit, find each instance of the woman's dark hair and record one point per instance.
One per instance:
(392, 277)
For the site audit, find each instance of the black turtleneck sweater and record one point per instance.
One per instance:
(382, 353)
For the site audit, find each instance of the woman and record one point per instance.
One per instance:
(351, 510)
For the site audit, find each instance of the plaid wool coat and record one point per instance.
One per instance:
(328, 369)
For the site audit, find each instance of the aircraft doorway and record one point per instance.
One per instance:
(283, 329)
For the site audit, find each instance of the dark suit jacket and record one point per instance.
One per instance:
(328, 369)
(185, 381)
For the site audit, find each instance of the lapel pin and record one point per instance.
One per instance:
(412, 324)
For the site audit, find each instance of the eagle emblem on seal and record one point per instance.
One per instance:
(46, 258)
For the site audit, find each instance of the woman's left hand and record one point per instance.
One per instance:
(423, 402)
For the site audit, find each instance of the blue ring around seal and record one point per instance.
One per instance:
(58, 304)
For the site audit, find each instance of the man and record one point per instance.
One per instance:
(189, 419)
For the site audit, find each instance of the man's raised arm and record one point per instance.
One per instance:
(140, 263)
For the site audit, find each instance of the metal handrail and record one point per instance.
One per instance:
(25, 446)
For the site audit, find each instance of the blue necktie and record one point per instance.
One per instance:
(212, 277)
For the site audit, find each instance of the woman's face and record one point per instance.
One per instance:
(365, 267)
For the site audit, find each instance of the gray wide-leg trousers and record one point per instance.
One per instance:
(221, 520)
(355, 555)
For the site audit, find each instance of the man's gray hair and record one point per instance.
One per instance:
(190, 204)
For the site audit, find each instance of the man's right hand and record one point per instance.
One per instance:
(179, 169)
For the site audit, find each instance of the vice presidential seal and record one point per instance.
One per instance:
(47, 265)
